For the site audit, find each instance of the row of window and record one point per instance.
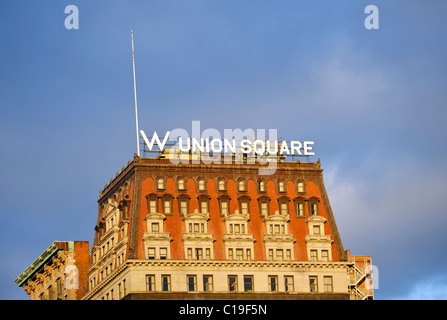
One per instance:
(201, 186)
(153, 204)
(207, 283)
(236, 254)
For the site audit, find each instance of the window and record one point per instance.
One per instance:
(50, 292)
(167, 206)
(261, 186)
(232, 283)
(221, 186)
(316, 230)
(151, 253)
(248, 283)
(166, 282)
(281, 186)
(183, 204)
(313, 206)
(324, 255)
(181, 185)
(160, 184)
(224, 207)
(270, 255)
(152, 202)
(150, 283)
(288, 283)
(201, 184)
(203, 206)
(284, 208)
(244, 204)
(313, 284)
(230, 254)
(191, 282)
(300, 187)
(299, 207)
(155, 226)
(163, 253)
(239, 254)
(199, 253)
(327, 281)
(203, 203)
(313, 209)
(264, 209)
(207, 283)
(273, 283)
(279, 255)
(183, 207)
(241, 186)
(313, 255)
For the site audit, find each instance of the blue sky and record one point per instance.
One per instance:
(372, 100)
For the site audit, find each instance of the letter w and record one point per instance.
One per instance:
(155, 138)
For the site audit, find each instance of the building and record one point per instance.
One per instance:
(59, 273)
(220, 231)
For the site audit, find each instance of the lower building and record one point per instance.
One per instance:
(59, 273)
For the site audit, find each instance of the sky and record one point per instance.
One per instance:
(372, 100)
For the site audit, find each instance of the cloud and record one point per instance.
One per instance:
(434, 288)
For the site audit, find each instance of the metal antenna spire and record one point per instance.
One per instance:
(135, 92)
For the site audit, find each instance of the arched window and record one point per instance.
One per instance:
(201, 184)
(281, 186)
(160, 183)
(181, 184)
(221, 185)
(300, 187)
(241, 185)
(261, 186)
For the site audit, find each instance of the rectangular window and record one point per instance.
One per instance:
(152, 206)
(284, 208)
(207, 283)
(230, 254)
(183, 207)
(248, 254)
(324, 255)
(327, 283)
(270, 257)
(244, 207)
(203, 207)
(166, 282)
(191, 282)
(264, 209)
(279, 255)
(248, 283)
(313, 255)
(167, 206)
(151, 253)
(155, 227)
(224, 208)
(199, 254)
(273, 283)
(313, 284)
(189, 253)
(150, 283)
(208, 253)
(163, 253)
(300, 209)
(288, 254)
(239, 254)
(288, 283)
(313, 209)
(316, 230)
(232, 283)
